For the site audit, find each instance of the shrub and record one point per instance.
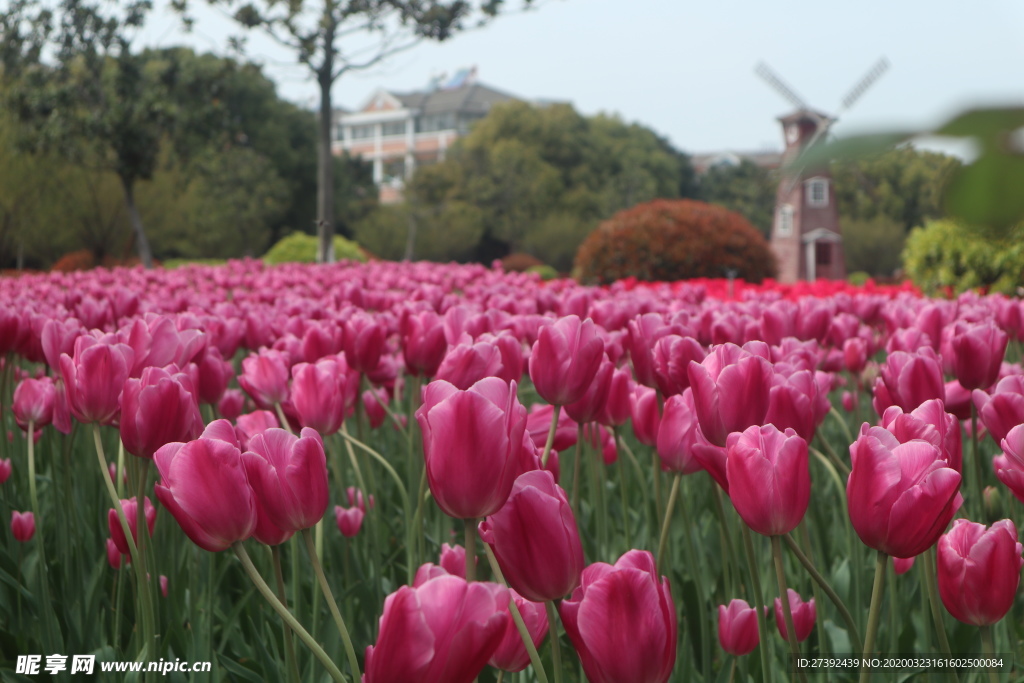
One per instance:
(674, 240)
(299, 247)
(945, 256)
(545, 271)
(519, 262)
(82, 259)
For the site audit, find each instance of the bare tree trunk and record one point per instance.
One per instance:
(325, 160)
(145, 255)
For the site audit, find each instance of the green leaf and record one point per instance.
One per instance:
(850, 148)
(988, 192)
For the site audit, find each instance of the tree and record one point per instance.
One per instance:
(325, 36)
(904, 185)
(540, 178)
(98, 102)
(873, 245)
(746, 188)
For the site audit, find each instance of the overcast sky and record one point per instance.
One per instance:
(686, 69)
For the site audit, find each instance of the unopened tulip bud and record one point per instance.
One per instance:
(23, 525)
(804, 615)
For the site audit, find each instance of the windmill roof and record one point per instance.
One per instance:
(804, 115)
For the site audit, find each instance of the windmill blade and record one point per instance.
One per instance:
(773, 80)
(880, 67)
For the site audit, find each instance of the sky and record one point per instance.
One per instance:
(686, 69)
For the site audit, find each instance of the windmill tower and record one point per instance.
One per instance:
(806, 236)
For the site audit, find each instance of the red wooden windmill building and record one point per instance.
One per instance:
(806, 236)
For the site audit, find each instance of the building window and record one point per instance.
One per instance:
(785, 220)
(432, 122)
(817, 192)
(393, 128)
(362, 132)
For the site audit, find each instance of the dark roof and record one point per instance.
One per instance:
(473, 97)
(804, 115)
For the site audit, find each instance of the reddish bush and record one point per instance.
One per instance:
(75, 260)
(519, 262)
(674, 239)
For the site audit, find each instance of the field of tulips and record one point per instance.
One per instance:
(424, 473)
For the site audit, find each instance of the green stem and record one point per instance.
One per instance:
(576, 471)
(289, 644)
(469, 528)
(282, 419)
(663, 538)
(51, 628)
(137, 562)
(805, 538)
(732, 564)
(931, 586)
(148, 568)
(639, 472)
(988, 646)
(697, 573)
(762, 618)
(285, 615)
(350, 651)
(556, 651)
(787, 612)
(979, 473)
(623, 485)
(851, 625)
(524, 633)
(832, 457)
(842, 423)
(551, 436)
(875, 612)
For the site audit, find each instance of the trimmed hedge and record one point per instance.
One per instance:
(675, 239)
(945, 257)
(299, 247)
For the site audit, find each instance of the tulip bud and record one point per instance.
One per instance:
(727, 373)
(349, 520)
(677, 435)
(769, 478)
(443, 631)
(33, 402)
(511, 654)
(472, 445)
(453, 559)
(913, 378)
(94, 377)
(737, 628)
(249, 425)
(467, 363)
(231, 404)
(977, 354)
(622, 621)
(323, 393)
(157, 409)
(535, 539)
(364, 341)
(265, 378)
(23, 526)
(113, 555)
(979, 570)
(5, 469)
(288, 473)
(902, 565)
(900, 496)
(643, 404)
(804, 614)
(565, 359)
(130, 508)
(423, 343)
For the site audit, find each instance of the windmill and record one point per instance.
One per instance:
(806, 236)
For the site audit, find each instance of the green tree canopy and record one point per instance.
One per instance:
(746, 188)
(538, 179)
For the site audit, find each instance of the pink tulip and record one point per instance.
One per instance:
(423, 343)
(467, 363)
(114, 556)
(23, 526)
(728, 373)
(913, 378)
(622, 621)
(643, 404)
(265, 378)
(511, 654)
(289, 476)
(769, 478)
(443, 631)
(1003, 409)
(130, 508)
(849, 401)
(364, 341)
(538, 422)
(231, 404)
(453, 559)
(1009, 467)
(979, 570)
(374, 401)
(671, 360)
(213, 375)
(616, 410)
(644, 333)
(931, 423)
(535, 539)
(323, 393)
(978, 352)
(33, 402)
(565, 359)
(900, 496)
(798, 401)
(804, 615)
(157, 409)
(737, 628)
(902, 565)
(204, 487)
(5, 469)
(349, 520)
(267, 531)
(93, 379)
(855, 355)
(472, 445)
(163, 585)
(677, 435)
(249, 425)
